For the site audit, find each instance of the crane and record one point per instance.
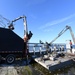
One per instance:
(11, 25)
(64, 30)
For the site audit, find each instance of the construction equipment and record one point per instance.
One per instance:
(10, 23)
(64, 30)
(11, 26)
(11, 44)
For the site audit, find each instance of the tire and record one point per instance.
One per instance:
(10, 58)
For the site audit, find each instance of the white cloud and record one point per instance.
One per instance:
(69, 23)
(56, 22)
(48, 30)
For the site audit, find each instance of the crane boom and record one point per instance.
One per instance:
(18, 18)
(25, 24)
(72, 34)
(11, 25)
(64, 30)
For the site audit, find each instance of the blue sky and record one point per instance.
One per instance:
(45, 18)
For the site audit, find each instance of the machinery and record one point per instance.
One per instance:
(11, 44)
(64, 30)
(69, 47)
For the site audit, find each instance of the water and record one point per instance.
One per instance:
(70, 70)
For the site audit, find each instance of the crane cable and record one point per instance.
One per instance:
(1, 21)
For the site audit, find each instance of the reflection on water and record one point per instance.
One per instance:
(70, 70)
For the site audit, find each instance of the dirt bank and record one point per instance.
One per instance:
(18, 68)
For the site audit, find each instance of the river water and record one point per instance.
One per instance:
(70, 70)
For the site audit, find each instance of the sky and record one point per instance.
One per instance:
(45, 18)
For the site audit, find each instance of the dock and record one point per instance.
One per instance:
(55, 63)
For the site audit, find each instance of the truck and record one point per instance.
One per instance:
(12, 46)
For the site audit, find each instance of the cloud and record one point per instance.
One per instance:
(47, 30)
(68, 23)
(56, 22)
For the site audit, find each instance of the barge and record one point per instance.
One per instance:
(53, 63)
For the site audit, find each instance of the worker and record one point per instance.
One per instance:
(71, 45)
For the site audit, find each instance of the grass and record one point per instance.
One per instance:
(26, 70)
